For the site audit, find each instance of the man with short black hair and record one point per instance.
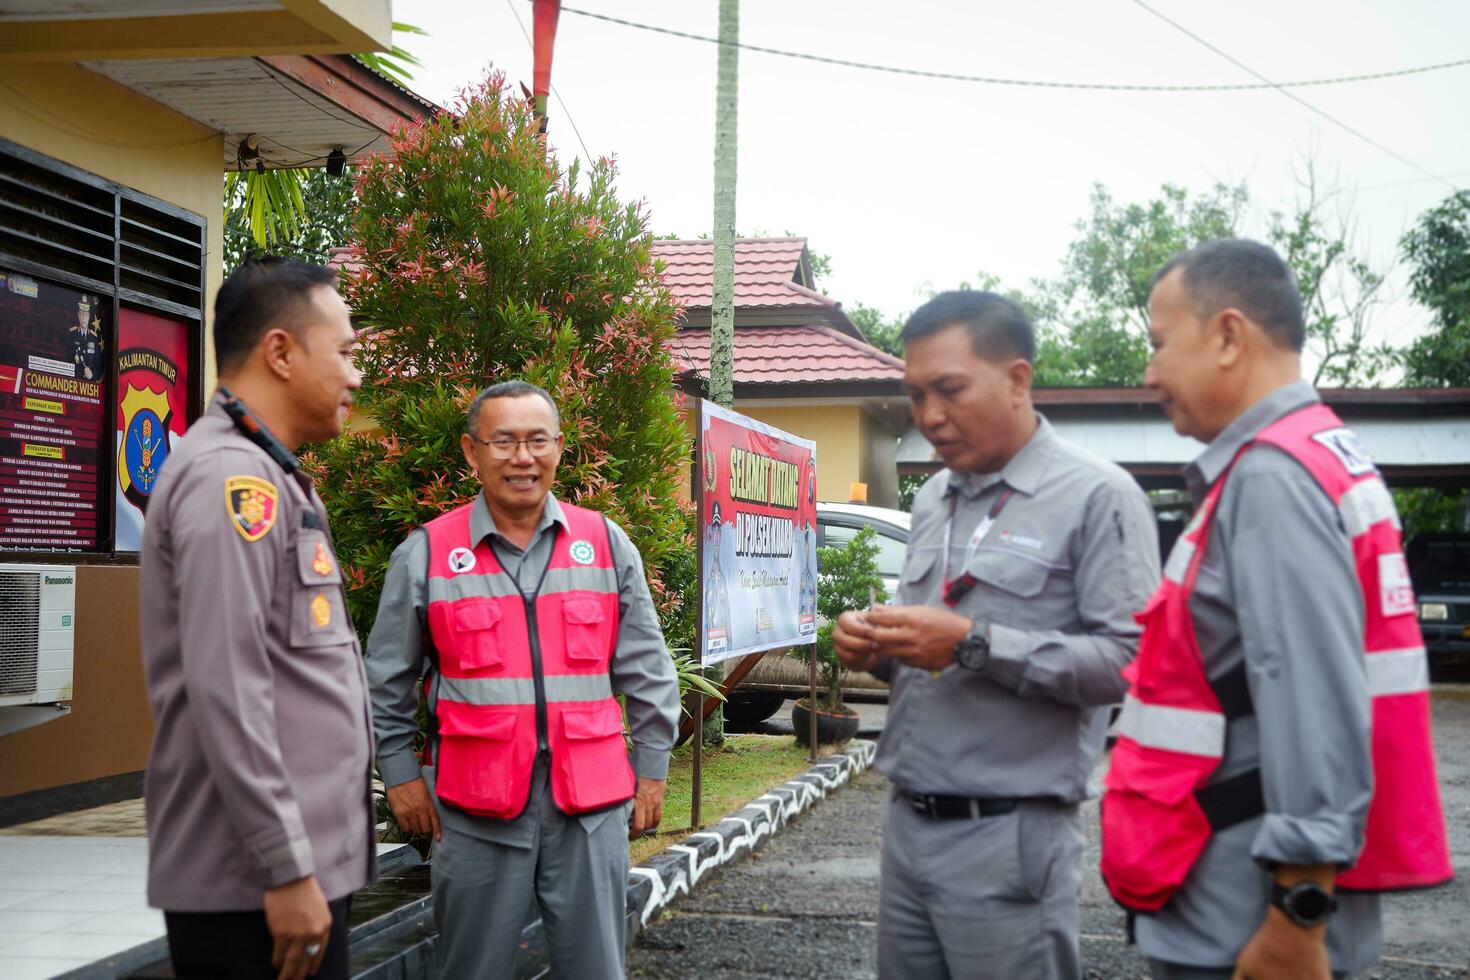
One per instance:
(1013, 620)
(1244, 819)
(259, 779)
(519, 616)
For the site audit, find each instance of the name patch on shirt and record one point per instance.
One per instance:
(1343, 444)
(1394, 586)
(1021, 540)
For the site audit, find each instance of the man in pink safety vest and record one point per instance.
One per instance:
(519, 618)
(1243, 816)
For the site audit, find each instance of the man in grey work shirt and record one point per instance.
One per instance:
(1014, 617)
(485, 870)
(1276, 590)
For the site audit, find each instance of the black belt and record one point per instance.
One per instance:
(939, 807)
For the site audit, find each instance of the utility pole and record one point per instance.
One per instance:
(722, 305)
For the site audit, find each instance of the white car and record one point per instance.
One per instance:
(779, 676)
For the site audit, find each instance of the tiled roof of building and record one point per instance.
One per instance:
(769, 272)
(797, 354)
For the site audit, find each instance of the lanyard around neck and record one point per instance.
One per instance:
(954, 589)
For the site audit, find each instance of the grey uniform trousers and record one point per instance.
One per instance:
(989, 897)
(482, 893)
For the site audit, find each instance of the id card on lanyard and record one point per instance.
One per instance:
(957, 588)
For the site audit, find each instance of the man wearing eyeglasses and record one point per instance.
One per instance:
(522, 615)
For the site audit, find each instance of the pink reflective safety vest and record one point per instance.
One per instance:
(1158, 812)
(501, 696)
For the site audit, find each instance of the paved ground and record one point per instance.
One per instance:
(806, 904)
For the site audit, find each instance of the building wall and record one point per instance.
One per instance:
(91, 122)
(838, 432)
(880, 462)
(110, 726)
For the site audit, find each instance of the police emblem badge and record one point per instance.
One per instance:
(321, 563)
(143, 443)
(321, 610)
(582, 551)
(251, 503)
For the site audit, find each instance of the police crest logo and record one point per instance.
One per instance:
(461, 560)
(145, 433)
(582, 552)
(251, 503)
(321, 610)
(321, 562)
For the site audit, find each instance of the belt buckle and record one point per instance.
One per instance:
(924, 804)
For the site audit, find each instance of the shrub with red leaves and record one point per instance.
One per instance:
(478, 259)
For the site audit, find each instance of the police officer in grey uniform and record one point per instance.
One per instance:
(1226, 328)
(1014, 616)
(487, 872)
(259, 778)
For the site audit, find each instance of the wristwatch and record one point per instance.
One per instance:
(973, 652)
(1306, 903)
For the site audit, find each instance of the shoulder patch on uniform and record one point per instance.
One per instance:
(1343, 444)
(252, 505)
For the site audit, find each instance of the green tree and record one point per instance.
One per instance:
(848, 579)
(1437, 249)
(881, 331)
(328, 204)
(479, 258)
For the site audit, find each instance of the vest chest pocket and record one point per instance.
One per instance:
(318, 617)
(586, 627)
(476, 625)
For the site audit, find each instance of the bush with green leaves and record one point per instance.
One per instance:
(847, 579)
(477, 258)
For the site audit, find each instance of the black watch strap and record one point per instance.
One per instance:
(1306, 903)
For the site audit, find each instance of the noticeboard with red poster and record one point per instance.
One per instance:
(151, 406)
(52, 375)
(759, 555)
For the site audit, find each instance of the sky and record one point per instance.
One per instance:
(908, 183)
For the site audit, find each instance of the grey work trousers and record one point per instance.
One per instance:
(1160, 970)
(989, 898)
(483, 892)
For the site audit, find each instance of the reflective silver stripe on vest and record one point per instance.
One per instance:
(493, 586)
(522, 690)
(1366, 504)
(1179, 558)
(583, 579)
(1173, 729)
(1403, 671)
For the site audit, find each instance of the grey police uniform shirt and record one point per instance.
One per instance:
(261, 765)
(1277, 588)
(1071, 556)
(641, 666)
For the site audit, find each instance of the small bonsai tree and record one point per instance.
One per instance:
(848, 579)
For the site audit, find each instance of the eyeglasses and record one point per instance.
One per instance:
(505, 447)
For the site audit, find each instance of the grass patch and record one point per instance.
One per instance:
(744, 768)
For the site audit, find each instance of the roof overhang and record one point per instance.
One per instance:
(86, 30)
(1416, 436)
(299, 108)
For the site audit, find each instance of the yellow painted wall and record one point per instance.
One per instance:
(837, 431)
(91, 122)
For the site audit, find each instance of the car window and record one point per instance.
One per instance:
(1439, 562)
(890, 550)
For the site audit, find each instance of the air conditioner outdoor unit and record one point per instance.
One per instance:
(37, 613)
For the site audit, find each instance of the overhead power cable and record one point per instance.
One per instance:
(1019, 82)
(1280, 87)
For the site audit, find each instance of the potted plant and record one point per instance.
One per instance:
(848, 579)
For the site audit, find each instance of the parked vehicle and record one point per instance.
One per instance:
(1439, 565)
(780, 676)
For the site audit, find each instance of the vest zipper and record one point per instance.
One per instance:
(542, 744)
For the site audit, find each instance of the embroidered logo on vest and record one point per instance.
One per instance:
(461, 560)
(1343, 444)
(582, 552)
